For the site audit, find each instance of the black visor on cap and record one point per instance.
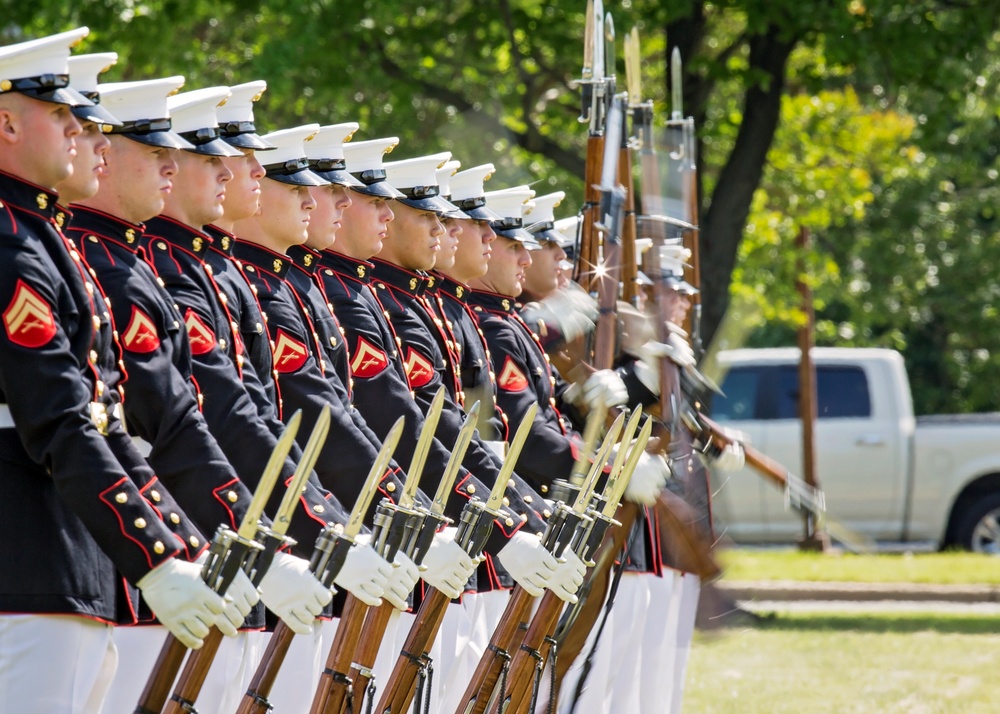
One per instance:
(48, 88)
(680, 285)
(96, 114)
(294, 172)
(334, 171)
(521, 236)
(382, 189)
(152, 133)
(551, 235)
(477, 209)
(206, 142)
(247, 141)
(434, 203)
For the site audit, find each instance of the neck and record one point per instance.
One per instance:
(225, 224)
(250, 231)
(112, 207)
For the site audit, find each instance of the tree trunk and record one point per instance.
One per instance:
(723, 223)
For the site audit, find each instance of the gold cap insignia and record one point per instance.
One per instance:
(5, 85)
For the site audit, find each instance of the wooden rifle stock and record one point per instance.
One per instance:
(764, 464)
(255, 699)
(193, 675)
(332, 692)
(506, 637)
(158, 686)
(402, 683)
(589, 252)
(372, 635)
(630, 268)
(532, 653)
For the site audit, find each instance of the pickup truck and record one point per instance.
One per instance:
(887, 475)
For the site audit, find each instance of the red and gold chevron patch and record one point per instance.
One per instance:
(28, 318)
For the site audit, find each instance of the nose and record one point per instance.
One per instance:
(169, 166)
(257, 171)
(225, 175)
(343, 199)
(308, 203)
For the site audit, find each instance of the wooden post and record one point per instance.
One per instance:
(812, 538)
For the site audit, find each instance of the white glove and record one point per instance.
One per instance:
(731, 459)
(528, 562)
(292, 592)
(568, 577)
(402, 579)
(181, 600)
(446, 566)
(676, 348)
(241, 596)
(365, 574)
(647, 480)
(604, 387)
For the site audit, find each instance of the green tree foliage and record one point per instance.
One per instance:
(871, 122)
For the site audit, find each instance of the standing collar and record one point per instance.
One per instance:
(401, 279)
(28, 196)
(89, 220)
(305, 259)
(453, 288)
(222, 241)
(345, 266)
(178, 234)
(494, 302)
(265, 259)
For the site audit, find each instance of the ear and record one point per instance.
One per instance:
(10, 126)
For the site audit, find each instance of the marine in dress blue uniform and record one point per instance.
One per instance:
(70, 505)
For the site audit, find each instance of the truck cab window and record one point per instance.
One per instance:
(842, 392)
(741, 387)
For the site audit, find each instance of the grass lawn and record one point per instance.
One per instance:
(953, 568)
(848, 664)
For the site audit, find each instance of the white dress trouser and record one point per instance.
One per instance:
(54, 663)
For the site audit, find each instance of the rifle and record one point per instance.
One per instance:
(592, 106)
(475, 526)
(328, 558)
(228, 553)
(587, 536)
(495, 662)
(433, 520)
(684, 148)
(394, 525)
(196, 668)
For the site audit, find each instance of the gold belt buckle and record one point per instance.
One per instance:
(99, 415)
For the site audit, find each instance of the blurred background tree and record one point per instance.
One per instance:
(872, 122)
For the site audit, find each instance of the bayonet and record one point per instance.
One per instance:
(296, 486)
(248, 526)
(591, 433)
(455, 460)
(676, 86)
(375, 474)
(423, 448)
(617, 483)
(597, 467)
(513, 453)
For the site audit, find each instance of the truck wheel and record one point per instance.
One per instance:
(979, 526)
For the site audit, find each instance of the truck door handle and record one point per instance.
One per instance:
(870, 440)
